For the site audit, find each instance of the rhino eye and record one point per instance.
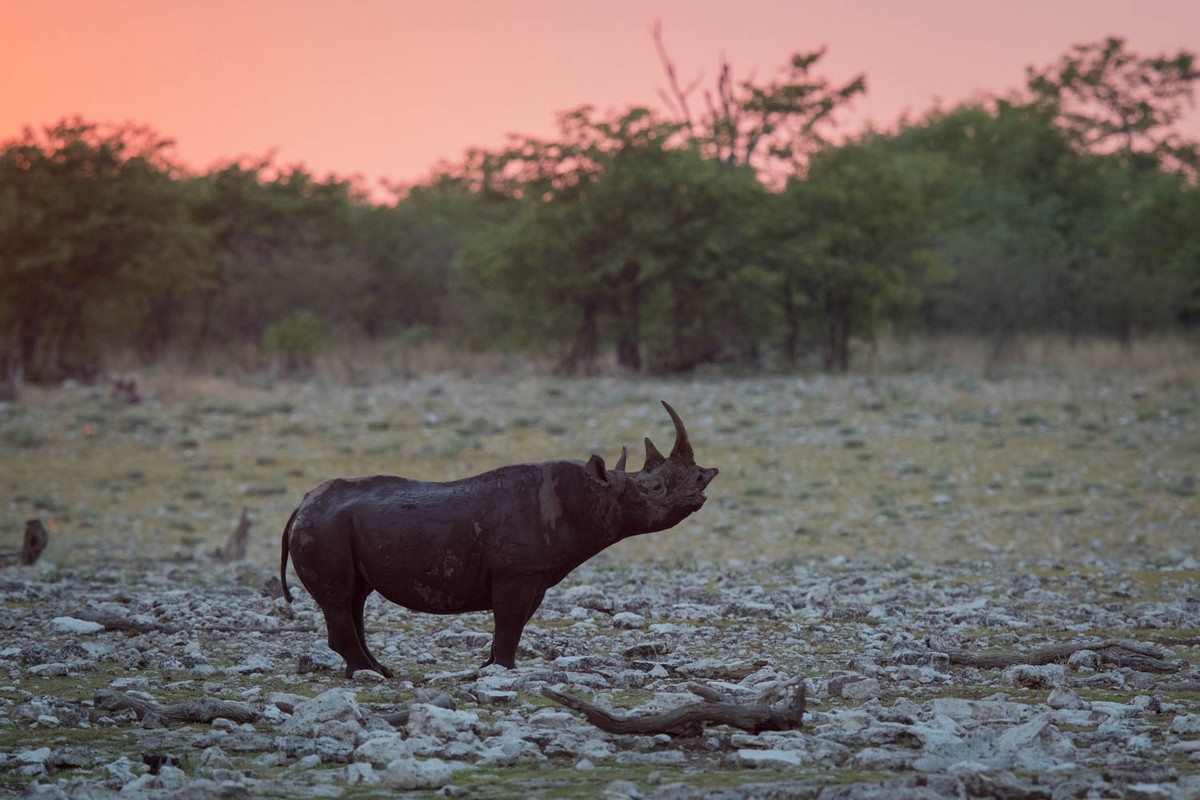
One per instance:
(657, 488)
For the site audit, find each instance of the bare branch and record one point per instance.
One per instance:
(681, 96)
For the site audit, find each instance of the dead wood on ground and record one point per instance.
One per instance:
(1117, 652)
(204, 709)
(689, 720)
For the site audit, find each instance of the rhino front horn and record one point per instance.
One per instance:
(682, 450)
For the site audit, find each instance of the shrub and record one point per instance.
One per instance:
(296, 339)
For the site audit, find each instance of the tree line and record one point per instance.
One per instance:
(728, 228)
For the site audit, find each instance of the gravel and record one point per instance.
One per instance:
(889, 713)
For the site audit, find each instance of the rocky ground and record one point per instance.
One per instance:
(987, 589)
(193, 679)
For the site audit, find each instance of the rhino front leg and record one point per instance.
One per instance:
(513, 603)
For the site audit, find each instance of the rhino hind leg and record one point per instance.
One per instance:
(347, 634)
(360, 629)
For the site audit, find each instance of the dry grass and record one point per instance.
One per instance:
(941, 466)
(1153, 358)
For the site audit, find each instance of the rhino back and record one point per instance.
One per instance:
(438, 547)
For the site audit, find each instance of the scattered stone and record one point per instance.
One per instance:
(320, 659)
(1030, 676)
(880, 701)
(628, 620)
(413, 773)
(861, 690)
(73, 625)
(1186, 725)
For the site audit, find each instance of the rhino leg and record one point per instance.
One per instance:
(513, 604)
(344, 639)
(360, 629)
(347, 633)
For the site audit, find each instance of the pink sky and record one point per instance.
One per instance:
(386, 89)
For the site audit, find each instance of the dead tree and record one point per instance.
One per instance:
(689, 720)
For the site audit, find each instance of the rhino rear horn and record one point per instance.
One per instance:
(620, 465)
(682, 450)
(653, 457)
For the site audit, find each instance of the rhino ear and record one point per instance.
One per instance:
(594, 469)
(653, 457)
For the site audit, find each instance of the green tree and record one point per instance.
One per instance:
(284, 241)
(851, 242)
(1114, 100)
(409, 249)
(98, 248)
(620, 236)
(773, 126)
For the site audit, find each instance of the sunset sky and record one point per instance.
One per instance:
(386, 89)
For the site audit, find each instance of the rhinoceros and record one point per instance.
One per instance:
(496, 541)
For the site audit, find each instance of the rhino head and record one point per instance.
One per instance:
(664, 492)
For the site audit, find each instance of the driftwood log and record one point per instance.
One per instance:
(1118, 652)
(205, 709)
(689, 720)
(34, 544)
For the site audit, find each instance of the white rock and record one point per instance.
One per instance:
(37, 756)
(772, 759)
(318, 716)
(962, 710)
(54, 669)
(441, 723)
(1185, 724)
(383, 747)
(552, 718)
(628, 620)
(361, 774)
(503, 753)
(73, 625)
(412, 773)
(1063, 698)
(588, 597)
(861, 690)
(1035, 676)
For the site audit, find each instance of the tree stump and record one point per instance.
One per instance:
(234, 548)
(36, 538)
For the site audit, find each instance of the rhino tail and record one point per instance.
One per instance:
(283, 556)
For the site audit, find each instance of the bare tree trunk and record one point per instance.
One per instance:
(837, 353)
(629, 339)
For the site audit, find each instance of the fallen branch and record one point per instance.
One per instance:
(31, 550)
(689, 720)
(1118, 652)
(205, 709)
(113, 622)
